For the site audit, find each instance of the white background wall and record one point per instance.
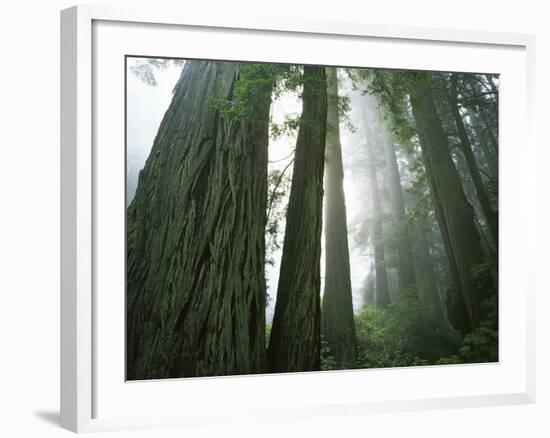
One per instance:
(29, 216)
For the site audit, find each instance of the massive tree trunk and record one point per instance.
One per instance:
(455, 214)
(295, 335)
(196, 237)
(405, 269)
(337, 323)
(490, 215)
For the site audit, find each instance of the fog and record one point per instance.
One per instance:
(146, 105)
(145, 108)
(410, 160)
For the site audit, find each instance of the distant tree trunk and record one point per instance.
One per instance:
(424, 263)
(426, 269)
(381, 278)
(405, 271)
(382, 292)
(487, 242)
(337, 322)
(489, 121)
(369, 287)
(490, 215)
(456, 307)
(196, 237)
(489, 128)
(295, 335)
(456, 216)
(490, 155)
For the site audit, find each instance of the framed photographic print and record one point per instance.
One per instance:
(257, 208)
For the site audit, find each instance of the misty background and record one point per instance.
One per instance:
(148, 99)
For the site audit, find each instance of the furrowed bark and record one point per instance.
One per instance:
(337, 321)
(196, 237)
(295, 335)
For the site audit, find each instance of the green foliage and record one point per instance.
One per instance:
(254, 83)
(404, 334)
(482, 275)
(278, 187)
(481, 345)
(344, 111)
(268, 327)
(288, 127)
(328, 361)
(450, 360)
(373, 351)
(293, 80)
(392, 89)
(408, 334)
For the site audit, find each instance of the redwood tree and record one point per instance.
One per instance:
(295, 335)
(455, 215)
(371, 129)
(405, 268)
(337, 323)
(491, 215)
(195, 244)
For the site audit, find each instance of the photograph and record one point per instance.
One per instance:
(285, 218)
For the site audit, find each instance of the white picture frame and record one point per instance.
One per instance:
(85, 374)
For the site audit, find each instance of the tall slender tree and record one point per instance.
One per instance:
(405, 270)
(480, 134)
(196, 233)
(369, 287)
(382, 288)
(381, 277)
(485, 114)
(337, 322)
(295, 335)
(491, 216)
(455, 214)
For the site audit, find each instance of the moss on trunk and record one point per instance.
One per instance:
(195, 243)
